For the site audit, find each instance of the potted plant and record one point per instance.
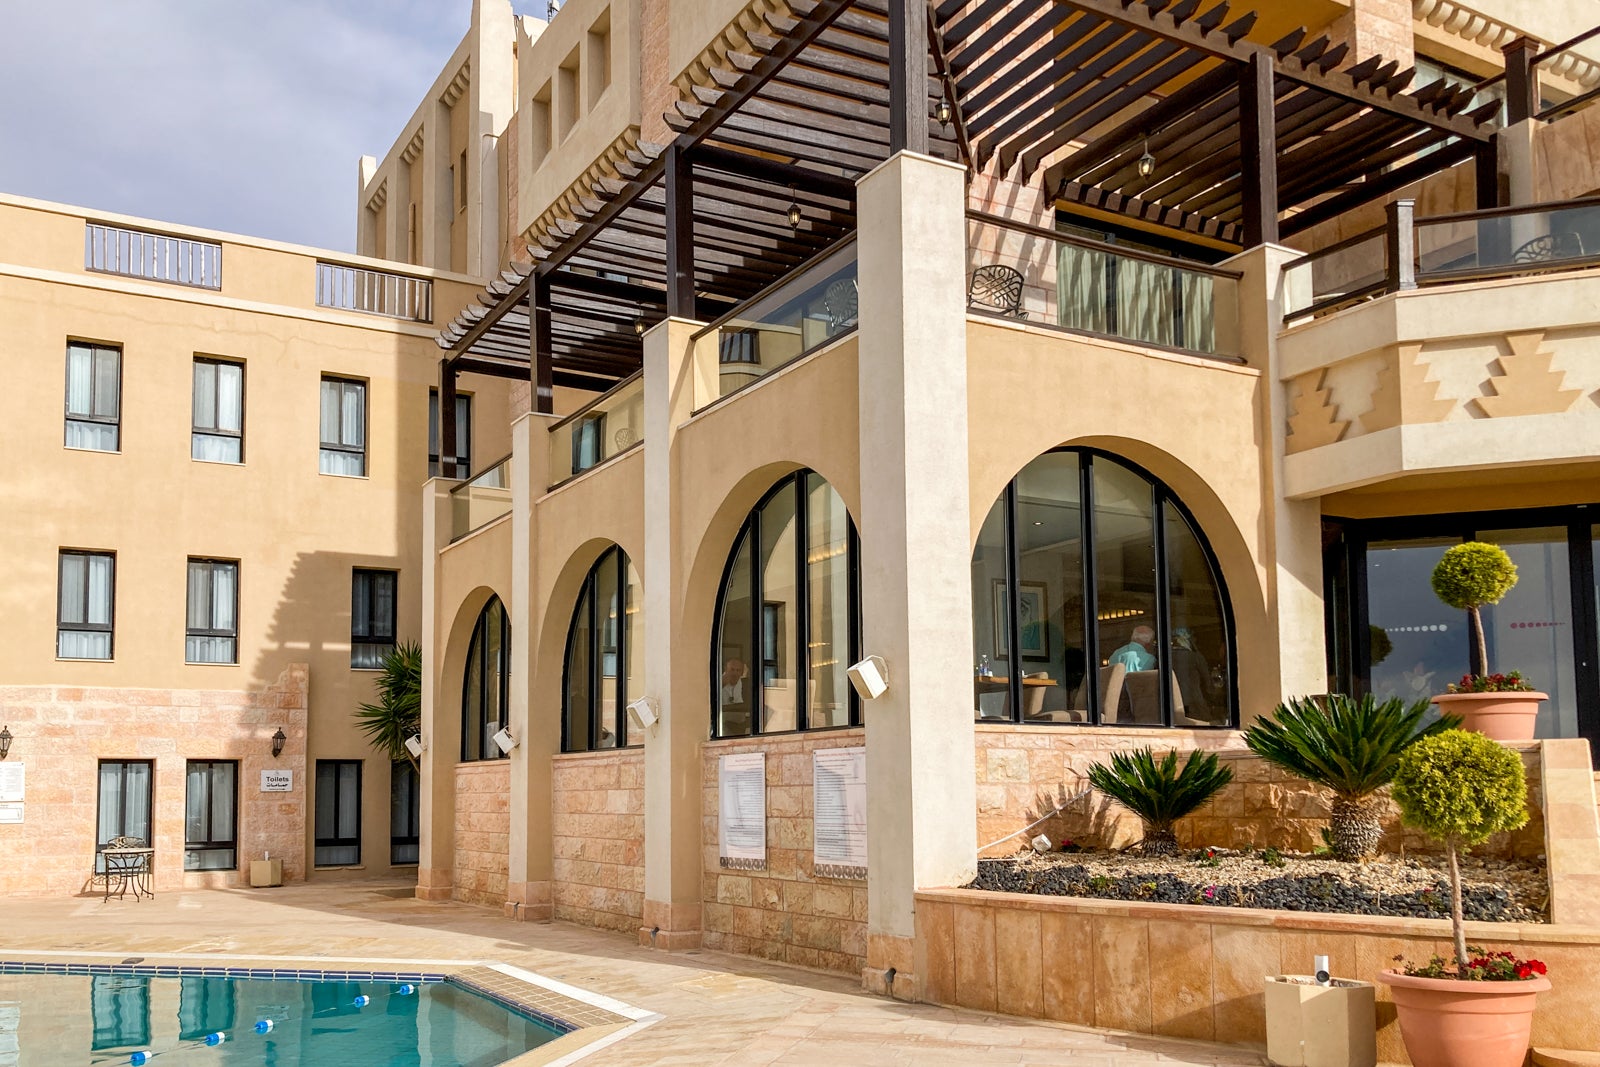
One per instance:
(1502, 706)
(1159, 792)
(1351, 748)
(1461, 787)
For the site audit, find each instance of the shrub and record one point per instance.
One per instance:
(398, 713)
(1347, 746)
(1460, 788)
(1158, 791)
(1469, 576)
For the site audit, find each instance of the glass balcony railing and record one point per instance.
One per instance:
(1058, 279)
(809, 307)
(475, 504)
(607, 426)
(1340, 274)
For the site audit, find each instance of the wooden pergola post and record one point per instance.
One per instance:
(541, 372)
(1522, 80)
(679, 173)
(908, 76)
(448, 449)
(1258, 151)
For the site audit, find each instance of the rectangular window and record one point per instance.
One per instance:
(210, 833)
(218, 435)
(463, 434)
(124, 805)
(372, 613)
(85, 603)
(338, 815)
(344, 427)
(94, 397)
(405, 814)
(213, 633)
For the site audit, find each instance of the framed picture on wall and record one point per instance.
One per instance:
(1033, 613)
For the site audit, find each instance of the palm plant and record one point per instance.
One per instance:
(1348, 746)
(1158, 791)
(398, 713)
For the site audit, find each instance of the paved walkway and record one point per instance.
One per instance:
(716, 1008)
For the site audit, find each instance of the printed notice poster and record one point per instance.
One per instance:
(742, 811)
(10, 813)
(839, 803)
(12, 778)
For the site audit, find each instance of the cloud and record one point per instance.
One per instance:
(239, 115)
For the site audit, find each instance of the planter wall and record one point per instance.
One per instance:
(1196, 972)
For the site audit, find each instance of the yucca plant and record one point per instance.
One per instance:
(398, 713)
(1348, 746)
(1158, 791)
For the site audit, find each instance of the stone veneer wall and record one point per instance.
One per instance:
(597, 838)
(1196, 972)
(1026, 771)
(784, 912)
(483, 832)
(62, 733)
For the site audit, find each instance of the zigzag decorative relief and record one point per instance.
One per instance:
(1526, 385)
(613, 165)
(1314, 418)
(766, 17)
(1404, 393)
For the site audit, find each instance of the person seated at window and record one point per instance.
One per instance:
(1192, 673)
(733, 675)
(1136, 655)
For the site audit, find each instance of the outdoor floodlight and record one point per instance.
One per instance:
(870, 677)
(504, 741)
(642, 713)
(414, 746)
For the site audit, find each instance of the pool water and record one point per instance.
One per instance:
(61, 1020)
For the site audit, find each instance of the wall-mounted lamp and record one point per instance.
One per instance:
(278, 740)
(5, 741)
(942, 112)
(794, 210)
(414, 746)
(1147, 162)
(643, 713)
(504, 741)
(638, 326)
(870, 677)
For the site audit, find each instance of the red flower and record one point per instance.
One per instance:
(1537, 967)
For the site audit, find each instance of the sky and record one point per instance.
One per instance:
(241, 115)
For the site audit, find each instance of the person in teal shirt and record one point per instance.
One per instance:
(1136, 654)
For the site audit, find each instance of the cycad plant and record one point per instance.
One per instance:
(1348, 746)
(398, 713)
(1158, 791)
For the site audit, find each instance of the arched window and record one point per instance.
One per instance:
(486, 686)
(605, 658)
(1099, 579)
(788, 621)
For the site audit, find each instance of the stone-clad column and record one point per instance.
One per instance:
(915, 547)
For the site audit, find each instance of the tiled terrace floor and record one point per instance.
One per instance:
(717, 1009)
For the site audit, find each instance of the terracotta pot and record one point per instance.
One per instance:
(1498, 716)
(1449, 1023)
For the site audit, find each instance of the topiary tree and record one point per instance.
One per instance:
(1159, 792)
(1460, 788)
(1467, 577)
(1348, 746)
(398, 713)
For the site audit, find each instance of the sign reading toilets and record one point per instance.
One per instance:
(277, 781)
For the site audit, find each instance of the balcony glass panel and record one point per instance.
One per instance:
(1527, 241)
(481, 501)
(608, 426)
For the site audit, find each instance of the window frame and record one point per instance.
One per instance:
(197, 430)
(400, 770)
(1162, 499)
(339, 447)
(478, 645)
(337, 842)
(463, 434)
(588, 597)
(794, 482)
(358, 636)
(69, 416)
(213, 844)
(122, 814)
(190, 630)
(109, 627)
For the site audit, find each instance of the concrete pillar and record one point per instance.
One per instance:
(528, 882)
(1516, 162)
(436, 208)
(915, 546)
(672, 788)
(1295, 662)
(492, 97)
(441, 719)
(366, 220)
(398, 211)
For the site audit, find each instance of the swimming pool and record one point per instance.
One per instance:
(73, 1015)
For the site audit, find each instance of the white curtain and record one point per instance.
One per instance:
(330, 412)
(80, 380)
(230, 396)
(205, 395)
(85, 598)
(212, 591)
(214, 449)
(354, 421)
(1081, 298)
(83, 644)
(1144, 301)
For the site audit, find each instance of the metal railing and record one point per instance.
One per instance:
(1052, 278)
(607, 426)
(1408, 252)
(152, 256)
(476, 503)
(374, 292)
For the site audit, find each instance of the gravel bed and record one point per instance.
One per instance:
(1416, 887)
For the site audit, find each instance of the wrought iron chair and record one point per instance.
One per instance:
(1547, 247)
(841, 303)
(996, 287)
(127, 871)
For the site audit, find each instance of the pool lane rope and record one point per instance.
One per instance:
(144, 1056)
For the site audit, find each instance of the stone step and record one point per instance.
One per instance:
(1556, 1057)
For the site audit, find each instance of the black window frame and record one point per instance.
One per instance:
(319, 842)
(115, 421)
(794, 482)
(214, 843)
(472, 732)
(196, 430)
(122, 815)
(190, 630)
(338, 446)
(368, 631)
(463, 434)
(63, 626)
(1162, 499)
(409, 835)
(587, 613)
